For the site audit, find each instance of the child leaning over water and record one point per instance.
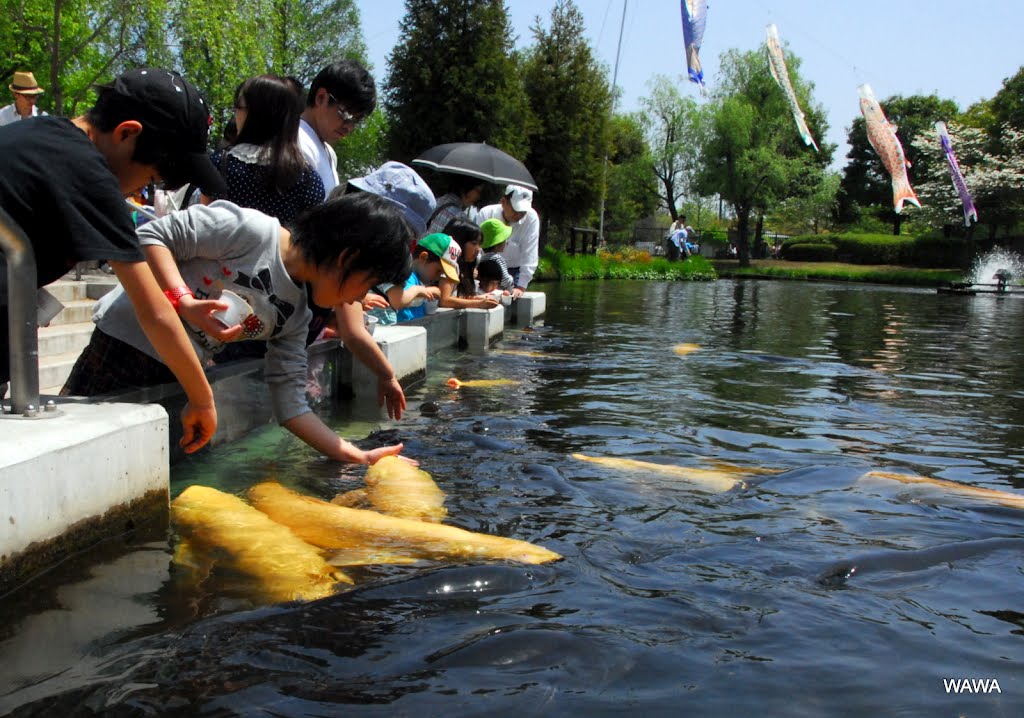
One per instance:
(493, 271)
(434, 256)
(341, 248)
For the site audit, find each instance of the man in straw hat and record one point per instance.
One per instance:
(65, 182)
(26, 91)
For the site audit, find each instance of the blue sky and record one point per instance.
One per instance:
(959, 50)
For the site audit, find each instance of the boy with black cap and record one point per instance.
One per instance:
(65, 182)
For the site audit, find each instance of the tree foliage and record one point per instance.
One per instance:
(752, 155)
(632, 188)
(71, 45)
(674, 126)
(570, 100)
(995, 179)
(453, 78)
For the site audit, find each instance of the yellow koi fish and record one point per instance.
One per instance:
(284, 567)
(882, 136)
(397, 488)
(358, 531)
(480, 383)
(714, 480)
(684, 349)
(1003, 498)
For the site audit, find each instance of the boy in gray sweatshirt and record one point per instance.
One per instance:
(341, 248)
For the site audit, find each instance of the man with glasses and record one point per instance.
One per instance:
(341, 96)
(26, 91)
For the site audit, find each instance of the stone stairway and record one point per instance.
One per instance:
(69, 332)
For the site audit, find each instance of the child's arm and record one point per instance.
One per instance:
(406, 297)
(358, 341)
(195, 311)
(314, 432)
(448, 298)
(167, 335)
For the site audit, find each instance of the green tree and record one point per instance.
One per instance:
(72, 44)
(995, 179)
(674, 126)
(866, 186)
(632, 187)
(812, 211)
(305, 35)
(453, 78)
(570, 99)
(1008, 104)
(752, 155)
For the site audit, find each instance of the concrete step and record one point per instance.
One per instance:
(54, 371)
(63, 338)
(76, 311)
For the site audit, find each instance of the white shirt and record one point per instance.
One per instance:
(319, 155)
(10, 114)
(523, 244)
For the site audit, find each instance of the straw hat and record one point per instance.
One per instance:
(25, 83)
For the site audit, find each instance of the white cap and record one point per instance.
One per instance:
(520, 198)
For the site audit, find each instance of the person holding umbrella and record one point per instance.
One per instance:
(521, 251)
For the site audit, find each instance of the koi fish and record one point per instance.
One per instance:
(220, 528)
(1003, 498)
(777, 65)
(958, 178)
(684, 349)
(882, 136)
(713, 480)
(358, 531)
(480, 383)
(397, 488)
(694, 12)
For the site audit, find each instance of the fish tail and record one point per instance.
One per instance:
(902, 192)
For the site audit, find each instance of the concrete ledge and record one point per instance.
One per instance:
(404, 345)
(67, 480)
(528, 307)
(481, 327)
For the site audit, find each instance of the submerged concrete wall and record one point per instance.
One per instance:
(96, 468)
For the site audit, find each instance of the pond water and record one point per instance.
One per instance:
(808, 591)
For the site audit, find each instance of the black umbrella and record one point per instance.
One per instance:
(477, 159)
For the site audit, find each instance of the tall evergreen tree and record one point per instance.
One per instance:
(570, 98)
(453, 78)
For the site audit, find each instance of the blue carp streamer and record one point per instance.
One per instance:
(958, 177)
(693, 34)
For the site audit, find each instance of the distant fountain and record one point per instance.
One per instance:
(998, 267)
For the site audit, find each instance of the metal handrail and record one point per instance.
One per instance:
(21, 315)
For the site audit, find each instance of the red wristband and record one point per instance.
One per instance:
(175, 295)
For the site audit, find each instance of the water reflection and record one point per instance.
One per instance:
(670, 598)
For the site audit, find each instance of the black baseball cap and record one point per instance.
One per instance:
(171, 108)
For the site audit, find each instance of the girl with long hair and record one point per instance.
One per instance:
(263, 166)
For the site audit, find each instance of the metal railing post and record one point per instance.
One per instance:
(21, 315)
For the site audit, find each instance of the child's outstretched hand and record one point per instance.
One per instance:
(375, 301)
(430, 292)
(199, 313)
(375, 455)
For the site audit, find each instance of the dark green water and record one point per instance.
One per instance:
(808, 592)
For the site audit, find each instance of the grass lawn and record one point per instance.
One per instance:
(837, 272)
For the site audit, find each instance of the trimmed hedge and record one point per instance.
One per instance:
(809, 252)
(931, 250)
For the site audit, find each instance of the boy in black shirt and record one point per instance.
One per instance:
(64, 183)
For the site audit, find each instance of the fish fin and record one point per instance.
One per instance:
(902, 192)
(352, 499)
